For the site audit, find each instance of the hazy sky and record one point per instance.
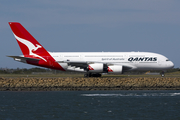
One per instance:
(93, 26)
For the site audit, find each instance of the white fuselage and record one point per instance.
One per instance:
(131, 60)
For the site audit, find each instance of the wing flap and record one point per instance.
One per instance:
(81, 64)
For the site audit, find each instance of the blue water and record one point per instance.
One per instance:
(90, 105)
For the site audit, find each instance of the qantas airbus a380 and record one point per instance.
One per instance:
(91, 63)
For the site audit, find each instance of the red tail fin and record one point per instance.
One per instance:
(30, 47)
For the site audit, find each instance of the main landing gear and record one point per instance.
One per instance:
(92, 75)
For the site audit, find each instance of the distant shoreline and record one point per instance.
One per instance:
(89, 84)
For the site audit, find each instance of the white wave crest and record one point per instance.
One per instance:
(131, 94)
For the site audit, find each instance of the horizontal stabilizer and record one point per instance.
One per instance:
(20, 58)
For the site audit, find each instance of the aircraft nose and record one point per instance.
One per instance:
(171, 64)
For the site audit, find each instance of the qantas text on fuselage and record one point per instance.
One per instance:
(91, 63)
(143, 59)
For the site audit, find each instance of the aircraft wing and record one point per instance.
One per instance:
(84, 64)
(81, 64)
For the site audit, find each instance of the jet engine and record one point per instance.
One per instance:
(115, 69)
(95, 68)
(103, 68)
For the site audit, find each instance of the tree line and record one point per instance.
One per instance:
(23, 70)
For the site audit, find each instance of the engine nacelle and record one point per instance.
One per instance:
(95, 68)
(103, 68)
(115, 69)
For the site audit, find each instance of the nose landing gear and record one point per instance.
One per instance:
(162, 74)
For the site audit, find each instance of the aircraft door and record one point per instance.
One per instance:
(60, 58)
(81, 57)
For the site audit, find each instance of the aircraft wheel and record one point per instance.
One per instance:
(86, 75)
(162, 74)
(92, 75)
(96, 75)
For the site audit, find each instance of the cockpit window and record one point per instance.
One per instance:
(167, 60)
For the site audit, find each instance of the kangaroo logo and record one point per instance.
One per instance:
(32, 48)
(38, 46)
